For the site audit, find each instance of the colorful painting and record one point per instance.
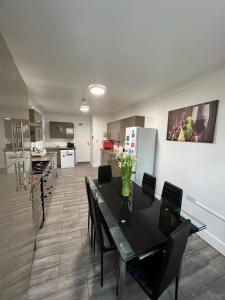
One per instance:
(193, 123)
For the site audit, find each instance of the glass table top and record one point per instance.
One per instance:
(138, 224)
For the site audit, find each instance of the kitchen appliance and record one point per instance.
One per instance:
(45, 170)
(107, 144)
(141, 143)
(67, 158)
(70, 145)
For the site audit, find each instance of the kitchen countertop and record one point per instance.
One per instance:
(110, 152)
(60, 148)
(47, 157)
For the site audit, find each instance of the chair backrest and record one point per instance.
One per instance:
(104, 174)
(171, 196)
(96, 218)
(88, 196)
(172, 257)
(148, 184)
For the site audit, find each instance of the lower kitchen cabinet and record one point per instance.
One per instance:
(108, 158)
(36, 197)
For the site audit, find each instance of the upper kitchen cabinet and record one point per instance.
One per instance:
(116, 130)
(63, 130)
(36, 131)
(34, 116)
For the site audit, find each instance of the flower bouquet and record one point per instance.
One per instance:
(126, 163)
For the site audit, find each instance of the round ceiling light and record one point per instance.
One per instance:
(97, 89)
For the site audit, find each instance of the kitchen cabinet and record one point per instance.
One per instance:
(34, 116)
(36, 130)
(108, 158)
(116, 171)
(116, 130)
(36, 197)
(105, 158)
(17, 234)
(61, 130)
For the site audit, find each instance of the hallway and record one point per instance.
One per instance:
(64, 267)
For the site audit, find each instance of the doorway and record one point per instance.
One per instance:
(82, 142)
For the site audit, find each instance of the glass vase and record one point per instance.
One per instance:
(126, 187)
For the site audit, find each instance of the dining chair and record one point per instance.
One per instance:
(155, 273)
(104, 174)
(171, 196)
(102, 233)
(90, 213)
(148, 184)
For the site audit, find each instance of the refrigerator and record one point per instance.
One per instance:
(141, 143)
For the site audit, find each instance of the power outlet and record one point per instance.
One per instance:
(191, 198)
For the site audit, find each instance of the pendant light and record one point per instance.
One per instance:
(84, 107)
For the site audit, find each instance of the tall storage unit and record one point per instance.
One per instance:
(17, 235)
(141, 143)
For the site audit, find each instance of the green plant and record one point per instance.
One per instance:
(126, 163)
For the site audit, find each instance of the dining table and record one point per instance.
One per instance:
(139, 224)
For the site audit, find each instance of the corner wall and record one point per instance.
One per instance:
(98, 134)
(199, 169)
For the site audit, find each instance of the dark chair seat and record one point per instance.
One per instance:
(148, 184)
(155, 273)
(144, 271)
(108, 243)
(104, 174)
(171, 196)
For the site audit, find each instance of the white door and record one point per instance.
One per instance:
(82, 142)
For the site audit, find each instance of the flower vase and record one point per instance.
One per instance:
(126, 187)
(124, 211)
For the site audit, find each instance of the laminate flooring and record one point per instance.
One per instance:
(64, 268)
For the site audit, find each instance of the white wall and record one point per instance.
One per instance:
(62, 118)
(197, 168)
(98, 134)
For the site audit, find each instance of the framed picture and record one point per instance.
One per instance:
(193, 123)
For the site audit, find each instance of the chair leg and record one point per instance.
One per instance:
(176, 287)
(101, 269)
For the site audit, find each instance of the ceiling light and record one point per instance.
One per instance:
(84, 107)
(7, 118)
(97, 89)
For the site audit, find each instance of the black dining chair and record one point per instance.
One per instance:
(171, 196)
(155, 273)
(148, 184)
(90, 214)
(104, 174)
(102, 233)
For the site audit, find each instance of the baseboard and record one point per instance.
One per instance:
(205, 234)
(213, 241)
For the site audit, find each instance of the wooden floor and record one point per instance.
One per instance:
(64, 267)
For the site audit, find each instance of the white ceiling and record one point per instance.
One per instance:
(137, 49)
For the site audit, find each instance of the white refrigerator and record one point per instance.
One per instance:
(141, 143)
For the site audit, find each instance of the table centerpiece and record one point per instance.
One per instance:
(126, 163)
